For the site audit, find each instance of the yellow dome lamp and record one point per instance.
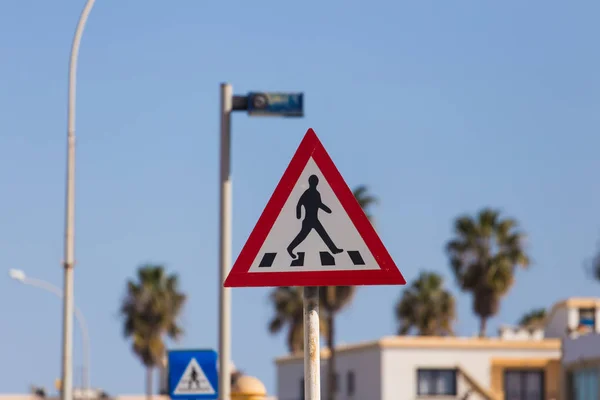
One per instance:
(248, 388)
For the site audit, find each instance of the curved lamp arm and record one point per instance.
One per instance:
(78, 316)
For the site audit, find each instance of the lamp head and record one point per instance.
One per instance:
(17, 274)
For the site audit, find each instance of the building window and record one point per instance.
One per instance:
(302, 388)
(436, 382)
(524, 384)
(583, 384)
(350, 383)
(587, 320)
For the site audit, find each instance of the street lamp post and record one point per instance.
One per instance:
(69, 256)
(267, 104)
(20, 276)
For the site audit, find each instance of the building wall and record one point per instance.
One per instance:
(387, 369)
(565, 315)
(400, 367)
(580, 348)
(365, 364)
(289, 376)
(581, 356)
(556, 326)
(520, 333)
(551, 368)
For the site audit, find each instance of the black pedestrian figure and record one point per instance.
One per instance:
(311, 200)
(194, 379)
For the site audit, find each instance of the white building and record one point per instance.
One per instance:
(406, 368)
(520, 364)
(581, 349)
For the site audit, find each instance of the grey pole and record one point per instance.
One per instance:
(312, 349)
(69, 256)
(225, 243)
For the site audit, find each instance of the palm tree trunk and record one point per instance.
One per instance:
(482, 327)
(331, 381)
(149, 383)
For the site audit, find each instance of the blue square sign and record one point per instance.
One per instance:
(193, 374)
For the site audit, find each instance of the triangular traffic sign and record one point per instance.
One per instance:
(194, 381)
(313, 232)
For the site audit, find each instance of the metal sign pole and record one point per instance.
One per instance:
(225, 244)
(312, 349)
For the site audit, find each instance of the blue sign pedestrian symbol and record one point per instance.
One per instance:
(193, 375)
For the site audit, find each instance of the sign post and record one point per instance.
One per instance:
(312, 350)
(281, 104)
(313, 233)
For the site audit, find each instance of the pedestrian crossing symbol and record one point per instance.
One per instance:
(313, 232)
(194, 381)
(193, 375)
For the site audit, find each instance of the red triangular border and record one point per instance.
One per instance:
(388, 274)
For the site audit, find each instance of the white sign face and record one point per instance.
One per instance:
(194, 381)
(313, 232)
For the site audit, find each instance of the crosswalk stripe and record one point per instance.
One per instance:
(326, 258)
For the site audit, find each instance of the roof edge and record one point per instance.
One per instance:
(434, 342)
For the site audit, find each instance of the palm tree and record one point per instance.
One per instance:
(593, 266)
(365, 199)
(333, 299)
(484, 255)
(289, 312)
(150, 310)
(426, 307)
(533, 319)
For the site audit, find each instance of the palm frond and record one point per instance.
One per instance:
(365, 200)
(150, 310)
(426, 307)
(533, 317)
(484, 254)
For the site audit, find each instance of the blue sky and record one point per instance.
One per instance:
(440, 107)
